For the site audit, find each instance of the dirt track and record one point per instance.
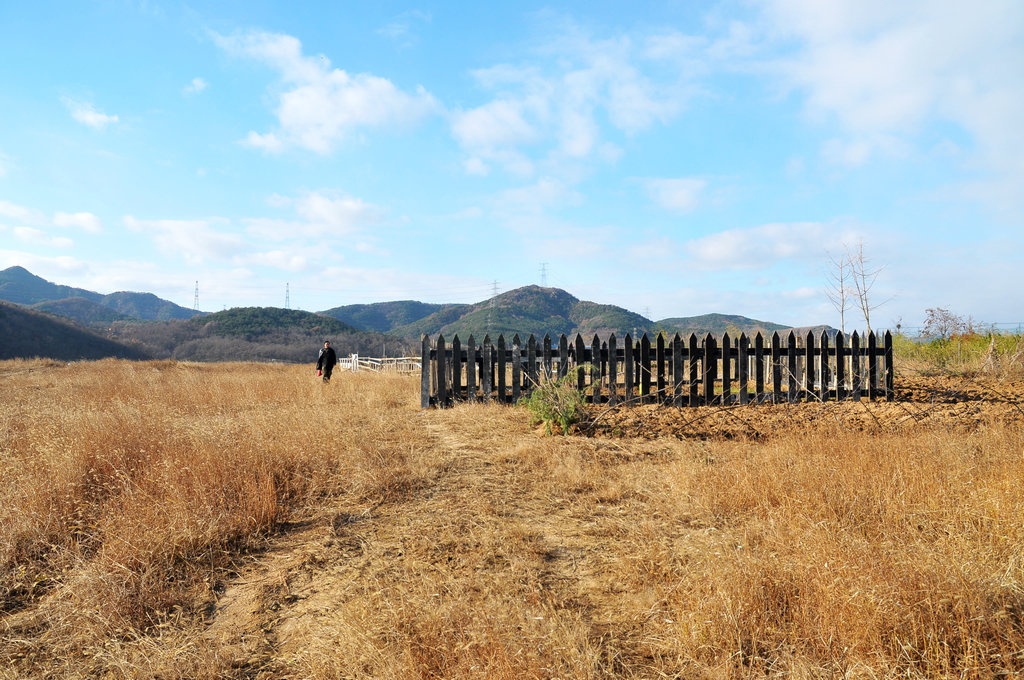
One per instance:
(951, 403)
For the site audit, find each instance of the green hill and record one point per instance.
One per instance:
(717, 324)
(81, 310)
(384, 316)
(531, 309)
(29, 334)
(146, 306)
(253, 322)
(22, 287)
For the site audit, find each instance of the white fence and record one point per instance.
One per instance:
(385, 365)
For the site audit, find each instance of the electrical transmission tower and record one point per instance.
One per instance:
(195, 300)
(287, 299)
(490, 307)
(544, 274)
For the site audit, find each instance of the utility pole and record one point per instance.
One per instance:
(195, 300)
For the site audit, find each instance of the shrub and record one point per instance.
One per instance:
(555, 401)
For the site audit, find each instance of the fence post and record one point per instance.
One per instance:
(425, 371)
(758, 368)
(890, 383)
(501, 370)
(791, 357)
(645, 369)
(727, 372)
(809, 372)
(743, 367)
(660, 360)
(485, 367)
(581, 360)
(840, 366)
(710, 368)
(548, 373)
(694, 372)
(613, 376)
(627, 365)
(856, 367)
(517, 369)
(470, 369)
(823, 391)
(531, 360)
(563, 356)
(456, 390)
(441, 371)
(777, 367)
(872, 366)
(678, 376)
(597, 373)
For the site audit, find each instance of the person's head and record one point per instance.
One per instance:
(327, 343)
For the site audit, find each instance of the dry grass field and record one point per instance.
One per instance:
(176, 520)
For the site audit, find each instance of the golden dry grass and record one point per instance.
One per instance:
(238, 520)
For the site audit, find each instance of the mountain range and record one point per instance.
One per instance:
(143, 322)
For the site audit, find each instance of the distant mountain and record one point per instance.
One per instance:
(147, 306)
(28, 334)
(384, 316)
(531, 309)
(717, 324)
(22, 287)
(253, 322)
(82, 310)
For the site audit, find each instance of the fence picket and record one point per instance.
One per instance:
(628, 363)
(743, 367)
(517, 368)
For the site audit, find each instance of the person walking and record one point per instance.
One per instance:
(326, 361)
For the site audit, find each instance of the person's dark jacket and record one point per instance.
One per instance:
(327, 359)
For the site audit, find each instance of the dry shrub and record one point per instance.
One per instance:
(128, 487)
(847, 551)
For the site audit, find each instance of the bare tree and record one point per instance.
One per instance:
(863, 276)
(839, 287)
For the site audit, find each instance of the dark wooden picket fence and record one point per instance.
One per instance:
(683, 372)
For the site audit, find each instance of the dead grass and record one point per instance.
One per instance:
(238, 520)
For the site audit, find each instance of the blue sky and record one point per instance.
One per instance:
(674, 158)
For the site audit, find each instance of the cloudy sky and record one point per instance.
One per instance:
(674, 158)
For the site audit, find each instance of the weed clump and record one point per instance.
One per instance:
(555, 401)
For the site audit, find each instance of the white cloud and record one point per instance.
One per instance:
(400, 30)
(195, 87)
(86, 113)
(475, 166)
(321, 215)
(340, 215)
(17, 212)
(585, 89)
(194, 240)
(320, 107)
(679, 194)
(278, 259)
(883, 69)
(546, 193)
(765, 246)
(41, 238)
(268, 142)
(82, 220)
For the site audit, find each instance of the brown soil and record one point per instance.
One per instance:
(950, 403)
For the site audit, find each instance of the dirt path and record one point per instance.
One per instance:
(365, 587)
